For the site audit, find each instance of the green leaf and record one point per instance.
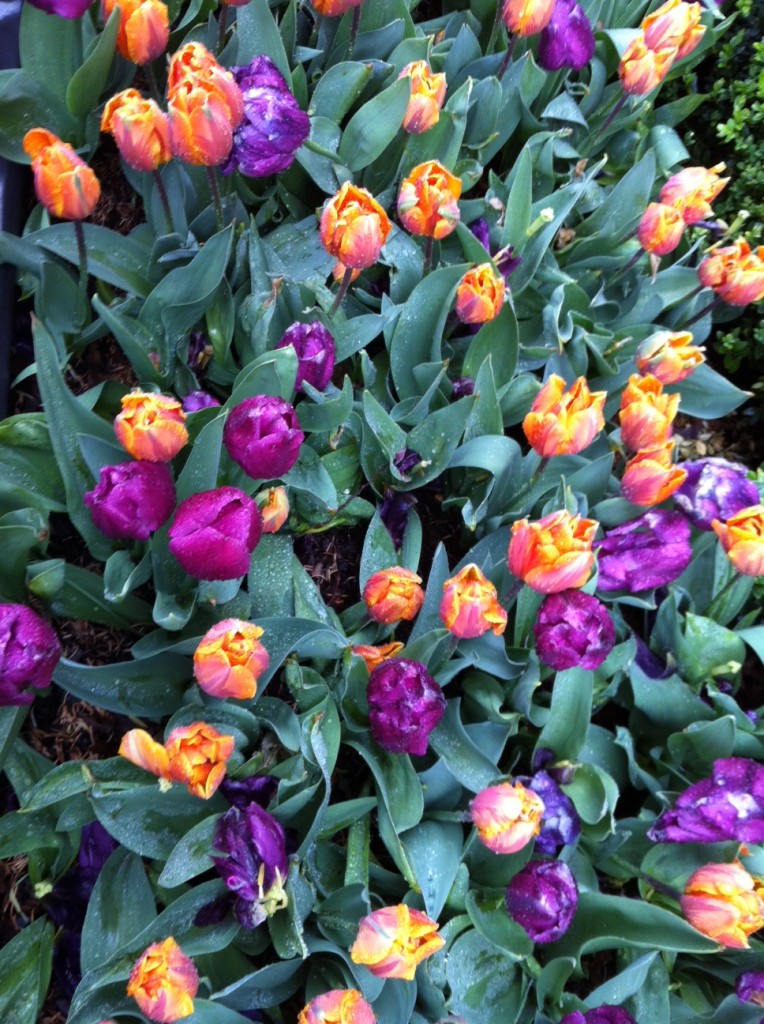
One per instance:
(518, 215)
(435, 852)
(374, 126)
(11, 720)
(120, 907)
(338, 89)
(147, 820)
(75, 593)
(118, 260)
(268, 986)
(464, 759)
(378, 550)
(485, 985)
(258, 34)
(29, 476)
(151, 687)
(25, 965)
(27, 103)
(87, 83)
(270, 583)
(497, 926)
(568, 723)
(708, 395)
(705, 649)
(191, 856)
(397, 784)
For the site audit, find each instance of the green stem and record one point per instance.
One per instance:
(315, 148)
(354, 26)
(347, 277)
(215, 192)
(222, 21)
(162, 193)
(428, 255)
(611, 116)
(495, 28)
(706, 309)
(82, 254)
(507, 57)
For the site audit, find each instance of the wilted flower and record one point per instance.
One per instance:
(506, 816)
(393, 941)
(568, 39)
(393, 594)
(560, 823)
(132, 499)
(144, 28)
(564, 421)
(63, 182)
(742, 538)
(140, 129)
(470, 605)
(262, 434)
(340, 1006)
(660, 229)
(315, 350)
(647, 552)
(646, 412)
(715, 489)
(253, 863)
(428, 201)
(725, 903)
(554, 553)
(651, 477)
(354, 227)
(374, 656)
(543, 898)
(428, 90)
(163, 982)
(273, 128)
(607, 1014)
(195, 755)
(728, 806)
(480, 295)
(692, 190)
(151, 427)
(642, 69)
(675, 24)
(215, 532)
(230, 659)
(274, 508)
(195, 401)
(527, 17)
(405, 705)
(670, 356)
(750, 987)
(735, 272)
(572, 630)
(29, 652)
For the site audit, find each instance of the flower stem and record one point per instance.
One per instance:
(315, 148)
(347, 277)
(495, 28)
(507, 57)
(354, 26)
(162, 193)
(215, 192)
(83, 256)
(611, 116)
(222, 23)
(428, 255)
(702, 313)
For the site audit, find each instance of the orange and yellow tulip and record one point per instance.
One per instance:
(725, 903)
(674, 24)
(200, 126)
(63, 182)
(354, 227)
(393, 594)
(374, 656)
(480, 295)
(144, 28)
(742, 537)
(553, 553)
(151, 427)
(428, 91)
(470, 605)
(527, 17)
(692, 191)
(340, 1006)
(660, 229)
(428, 201)
(735, 272)
(163, 982)
(230, 659)
(646, 413)
(651, 477)
(506, 816)
(393, 941)
(642, 69)
(194, 755)
(670, 356)
(194, 65)
(140, 129)
(274, 508)
(564, 421)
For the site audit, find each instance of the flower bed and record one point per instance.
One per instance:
(430, 662)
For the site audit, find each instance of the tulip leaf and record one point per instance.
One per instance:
(568, 723)
(28, 102)
(434, 850)
(118, 260)
(151, 687)
(25, 967)
(87, 83)
(259, 34)
(485, 985)
(497, 926)
(374, 126)
(191, 856)
(468, 764)
(338, 89)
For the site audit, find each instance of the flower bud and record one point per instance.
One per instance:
(506, 816)
(573, 630)
(470, 605)
(660, 229)
(334, 8)
(674, 24)
(715, 489)
(606, 1014)
(163, 982)
(393, 941)
(692, 190)
(568, 39)
(230, 659)
(393, 594)
(564, 421)
(670, 356)
(194, 755)
(262, 434)
(554, 553)
(274, 508)
(29, 652)
(642, 69)
(374, 656)
(735, 272)
(314, 346)
(354, 227)
(340, 1006)
(647, 552)
(132, 499)
(750, 987)
(140, 129)
(405, 705)
(527, 17)
(646, 413)
(151, 427)
(560, 823)
(193, 65)
(725, 903)
(63, 182)
(543, 898)
(200, 126)
(428, 200)
(253, 864)
(742, 538)
(428, 91)
(215, 532)
(650, 477)
(480, 295)
(195, 401)
(144, 28)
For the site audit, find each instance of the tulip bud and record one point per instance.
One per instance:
(151, 427)
(29, 653)
(163, 982)
(195, 401)
(315, 350)
(742, 538)
(334, 8)
(354, 227)
(506, 816)
(669, 355)
(374, 656)
(230, 659)
(340, 1006)
(480, 295)
(568, 39)
(573, 630)
(428, 91)
(144, 28)
(554, 553)
(253, 863)
(660, 229)
(564, 421)
(651, 477)
(193, 65)
(393, 941)
(200, 126)
(692, 190)
(642, 69)
(527, 17)
(405, 705)
(715, 489)
(674, 24)
(725, 903)
(646, 413)
(196, 756)
(428, 200)
(750, 987)
(262, 434)
(470, 605)
(140, 129)
(274, 508)
(63, 182)
(215, 532)
(132, 499)
(735, 272)
(393, 594)
(543, 898)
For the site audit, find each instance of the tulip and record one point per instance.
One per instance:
(194, 65)
(564, 421)
(669, 355)
(527, 17)
(144, 28)
(647, 552)
(742, 538)
(200, 125)
(314, 346)
(642, 69)
(374, 656)
(253, 864)
(195, 401)
(506, 817)
(334, 8)
(428, 91)
(715, 489)
(692, 190)
(543, 898)
(674, 24)
(568, 39)
(140, 129)
(725, 903)
(651, 477)
(646, 413)
(470, 605)
(195, 755)
(393, 594)
(735, 272)
(480, 295)
(63, 182)
(259, 789)
(393, 941)
(354, 227)
(660, 229)
(151, 427)
(573, 630)
(262, 434)
(230, 659)
(428, 200)
(340, 1006)
(63, 8)
(274, 508)
(132, 499)
(405, 705)
(215, 532)
(29, 653)
(163, 982)
(554, 553)
(749, 987)
(560, 823)
(606, 1014)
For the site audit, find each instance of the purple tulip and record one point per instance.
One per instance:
(315, 350)
(727, 807)
(215, 532)
(568, 39)
(394, 513)
(197, 400)
(462, 386)
(253, 864)
(29, 652)
(543, 897)
(647, 552)
(715, 489)
(573, 629)
(132, 499)
(405, 705)
(560, 823)
(482, 232)
(63, 8)
(750, 987)
(259, 789)
(273, 128)
(263, 435)
(599, 1015)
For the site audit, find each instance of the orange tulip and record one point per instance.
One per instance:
(480, 295)
(651, 477)
(660, 229)
(195, 755)
(374, 656)
(428, 200)
(354, 227)
(393, 594)
(506, 816)
(470, 605)
(735, 272)
(641, 69)
(693, 190)
(200, 125)
(334, 8)
(340, 1006)
(428, 91)
(151, 427)
(63, 182)
(725, 903)
(554, 553)
(742, 537)
(564, 422)
(669, 355)
(274, 508)
(646, 413)
(140, 129)
(194, 64)
(393, 941)
(675, 24)
(230, 659)
(144, 29)
(527, 17)
(163, 982)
